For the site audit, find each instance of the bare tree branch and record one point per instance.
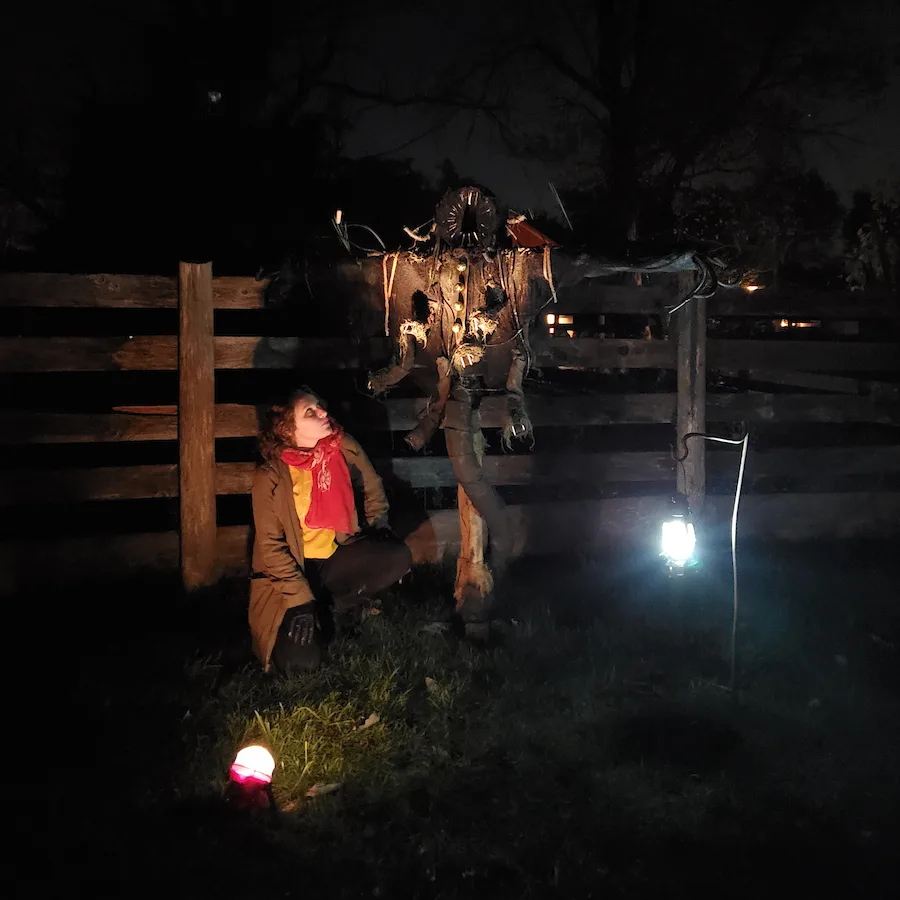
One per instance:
(458, 103)
(417, 137)
(565, 68)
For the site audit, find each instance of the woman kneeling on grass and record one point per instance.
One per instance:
(309, 548)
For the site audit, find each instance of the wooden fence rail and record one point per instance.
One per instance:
(75, 485)
(584, 526)
(232, 420)
(105, 291)
(20, 355)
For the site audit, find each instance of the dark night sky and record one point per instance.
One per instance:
(875, 157)
(409, 48)
(55, 58)
(406, 45)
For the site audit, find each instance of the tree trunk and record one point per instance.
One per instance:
(624, 193)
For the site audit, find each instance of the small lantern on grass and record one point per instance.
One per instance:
(250, 779)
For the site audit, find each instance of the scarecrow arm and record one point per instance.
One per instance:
(517, 425)
(434, 411)
(387, 377)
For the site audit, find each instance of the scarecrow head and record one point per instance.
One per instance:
(469, 217)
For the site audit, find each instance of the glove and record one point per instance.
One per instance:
(381, 530)
(302, 628)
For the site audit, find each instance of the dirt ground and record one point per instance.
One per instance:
(591, 749)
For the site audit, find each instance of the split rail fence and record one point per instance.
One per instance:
(795, 490)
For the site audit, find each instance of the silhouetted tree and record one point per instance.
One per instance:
(873, 248)
(784, 222)
(192, 129)
(637, 99)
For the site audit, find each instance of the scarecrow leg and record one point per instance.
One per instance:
(474, 581)
(482, 509)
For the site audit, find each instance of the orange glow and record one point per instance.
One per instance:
(752, 287)
(565, 320)
(551, 330)
(784, 324)
(551, 319)
(570, 333)
(254, 765)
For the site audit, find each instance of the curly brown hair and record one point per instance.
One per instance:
(277, 432)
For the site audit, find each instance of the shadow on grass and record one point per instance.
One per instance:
(464, 843)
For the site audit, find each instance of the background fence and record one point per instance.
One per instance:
(128, 421)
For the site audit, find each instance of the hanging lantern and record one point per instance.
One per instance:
(678, 537)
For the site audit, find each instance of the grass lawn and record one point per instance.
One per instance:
(590, 750)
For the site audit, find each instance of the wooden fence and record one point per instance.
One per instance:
(843, 490)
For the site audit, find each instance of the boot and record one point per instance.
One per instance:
(348, 621)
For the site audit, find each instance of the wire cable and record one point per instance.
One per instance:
(743, 443)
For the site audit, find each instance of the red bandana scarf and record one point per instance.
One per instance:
(331, 503)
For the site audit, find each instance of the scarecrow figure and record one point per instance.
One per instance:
(469, 316)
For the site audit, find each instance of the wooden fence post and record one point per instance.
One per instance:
(690, 337)
(196, 425)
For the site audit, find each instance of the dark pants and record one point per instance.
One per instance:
(357, 570)
(346, 580)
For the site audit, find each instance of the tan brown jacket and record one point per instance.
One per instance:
(278, 581)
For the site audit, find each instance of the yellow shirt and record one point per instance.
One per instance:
(318, 543)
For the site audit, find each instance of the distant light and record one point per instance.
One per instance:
(337, 217)
(750, 288)
(565, 320)
(551, 319)
(784, 324)
(253, 765)
(551, 330)
(570, 332)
